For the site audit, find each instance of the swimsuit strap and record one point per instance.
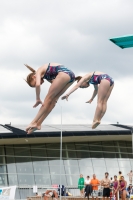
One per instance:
(91, 76)
(45, 74)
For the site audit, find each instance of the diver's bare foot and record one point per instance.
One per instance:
(95, 124)
(31, 127)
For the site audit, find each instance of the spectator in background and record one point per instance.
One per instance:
(122, 188)
(51, 193)
(81, 183)
(106, 186)
(95, 183)
(129, 190)
(130, 174)
(111, 182)
(88, 187)
(87, 180)
(115, 187)
(119, 175)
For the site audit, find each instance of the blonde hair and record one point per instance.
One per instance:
(29, 77)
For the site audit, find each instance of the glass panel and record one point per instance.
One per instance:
(39, 161)
(53, 146)
(71, 162)
(56, 169)
(108, 143)
(130, 155)
(118, 155)
(95, 148)
(2, 168)
(2, 159)
(131, 162)
(41, 146)
(95, 143)
(129, 144)
(69, 146)
(22, 159)
(86, 171)
(120, 143)
(124, 150)
(72, 180)
(12, 179)
(72, 170)
(2, 151)
(42, 180)
(85, 162)
(99, 162)
(112, 171)
(56, 179)
(125, 171)
(42, 166)
(11, 168)
(109, 155)
(124, 163)
(3, 179)
(25, 179)
(38, 152)
(64, 154)
(109, 149)
(55, 162)
(10, 160)
(24, 168)
(26, 146)
(53, 153)
(9, 150)
(111, 163)
(96, 154)
(71, 154)
(82, 150)
(82, 146)
(124, 155)
(54, 150)
(100, 172)
(83, 154)
(22, 151)
(41, 169)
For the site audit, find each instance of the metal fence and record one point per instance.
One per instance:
(76, 192)
(24, 192)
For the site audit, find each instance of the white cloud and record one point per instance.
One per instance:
(74, 33)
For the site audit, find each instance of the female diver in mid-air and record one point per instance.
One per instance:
(60, 78)
(104, 89)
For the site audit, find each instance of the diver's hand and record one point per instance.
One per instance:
(65, 97)
(89, 101)
(37, 103)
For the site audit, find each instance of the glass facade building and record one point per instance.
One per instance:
(39, 164)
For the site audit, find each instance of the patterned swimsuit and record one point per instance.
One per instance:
(52, 72)
(96, 79)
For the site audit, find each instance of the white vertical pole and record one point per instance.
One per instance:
(60, 152)
(132, 139)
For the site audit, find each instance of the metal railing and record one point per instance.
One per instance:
(24, 192)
